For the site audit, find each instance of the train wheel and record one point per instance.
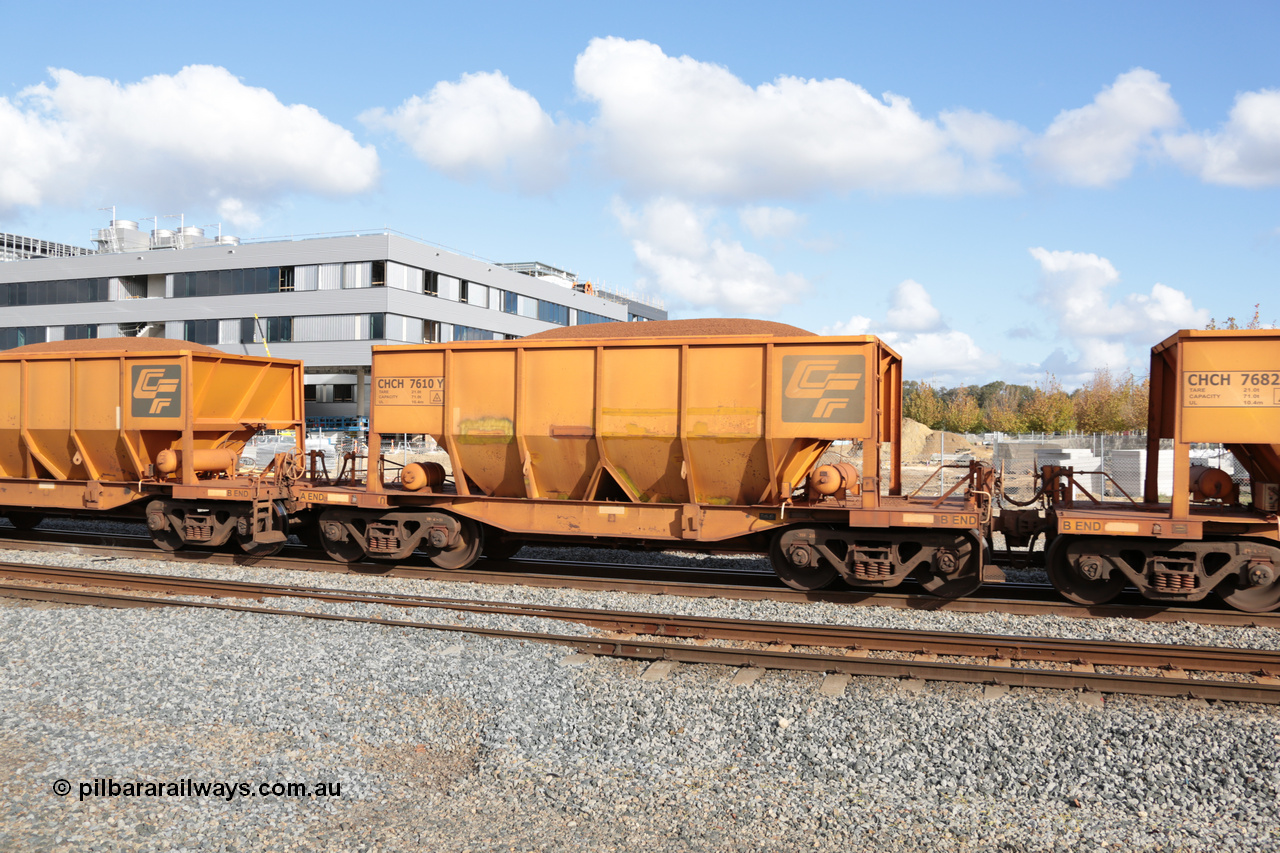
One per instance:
(1078, 576)
(24, 520)
(1262, 596)
(951, 574)
(165, 536)
(279, 521)
(803, 577)
(347, 550)
(465, 552)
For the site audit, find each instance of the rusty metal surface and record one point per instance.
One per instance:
(696, 420)
(770, 659)
(104, 415)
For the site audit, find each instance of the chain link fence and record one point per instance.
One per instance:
(1108, 467)
(1121, 458)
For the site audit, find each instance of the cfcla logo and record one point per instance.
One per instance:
(822, 389)
(155, 391)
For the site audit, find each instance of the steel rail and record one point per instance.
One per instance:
(671, 581)
(999, 647)
(1264, 693)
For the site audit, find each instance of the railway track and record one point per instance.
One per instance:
(982, 658)
(1024, 599)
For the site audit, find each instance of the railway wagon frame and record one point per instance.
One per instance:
(1210, 386)
(101, 426)
(696, 442)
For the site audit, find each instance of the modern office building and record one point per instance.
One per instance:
(325, 300)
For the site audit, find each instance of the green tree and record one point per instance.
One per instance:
(1050, 408)
(1136, 395)
(962, 413)
(1001, 409)
(921, 403)
(1099, 404)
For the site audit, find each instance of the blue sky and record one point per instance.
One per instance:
(997, 189)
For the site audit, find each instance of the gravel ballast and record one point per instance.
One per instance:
(449, 742)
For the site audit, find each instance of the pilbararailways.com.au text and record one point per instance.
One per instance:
(191, 788)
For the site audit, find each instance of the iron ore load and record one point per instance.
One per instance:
(700, 435)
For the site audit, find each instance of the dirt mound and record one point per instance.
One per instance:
(115, 345)
(914, 435)
(934, 445)
(921, 444)
(674, 329)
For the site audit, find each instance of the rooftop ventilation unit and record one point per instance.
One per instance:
(121, 236)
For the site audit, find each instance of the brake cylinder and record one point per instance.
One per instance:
(835, 479)
(205, 459)
(1211, 484)
(419, 475)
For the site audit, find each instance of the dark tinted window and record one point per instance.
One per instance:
(60, 292)
(468, 333)
(21, 336)
(200, 331)
(550, 312)
(227, 282)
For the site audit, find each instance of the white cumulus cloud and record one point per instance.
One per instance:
(914, 327)
(1106, 331)
(678, 125)
(912, 309)
(198, 136)
(679, 256)
(764, 221)
(482, 126)
(1244, 153)
(234, 212)
(1098, 144)
(946, 353)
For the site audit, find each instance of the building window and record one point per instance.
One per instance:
(586, 318)
(430, 332)
(309, 393)
(430, 283)
(80, 332)
(550, 312)
(286, 279)
(62, 292)
(379, 274)
(510, 302)
(377, 327)
(344, 393)
(201, 331)
(227, 282)
(21, 336)
(463, 290)
(467, 333)
(273, 330)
